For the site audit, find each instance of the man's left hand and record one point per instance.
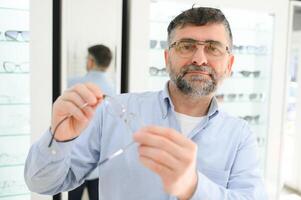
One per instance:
(172, 156)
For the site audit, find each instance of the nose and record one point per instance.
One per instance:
(199, 57)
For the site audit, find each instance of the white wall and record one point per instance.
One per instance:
(41, 69)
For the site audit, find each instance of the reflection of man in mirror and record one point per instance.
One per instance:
(98, 60)
(188, 148)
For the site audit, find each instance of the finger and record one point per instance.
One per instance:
(76, 99)
(94, 107)
(85, 94)
(170, 134)
(89, 111)
(73, 97)
(158, 168)
(152, 140)
(95, 90)
(160, 156)
(74, 111)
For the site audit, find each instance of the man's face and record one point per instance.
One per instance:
(199, 73)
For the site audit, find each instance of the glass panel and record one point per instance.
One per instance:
(14, 98)
(291, 143)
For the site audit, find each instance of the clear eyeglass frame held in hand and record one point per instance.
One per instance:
(117, 109)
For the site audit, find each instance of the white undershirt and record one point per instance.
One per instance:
(187, 123)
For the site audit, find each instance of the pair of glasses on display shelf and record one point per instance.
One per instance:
(19, 123)
(10, 186)
(154, 71)
(250, 49)
(153, 44)
(6, 158)
(9, 99)
(12, 67)
(247, 74)
(239, 97)
(252, 119)
(15, 35)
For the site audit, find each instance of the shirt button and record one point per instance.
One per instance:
(53, 152)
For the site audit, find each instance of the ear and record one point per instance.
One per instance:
(90, 64)
(166, 56)
(230, 64)
(93, 62)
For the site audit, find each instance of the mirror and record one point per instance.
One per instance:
(103, 25)
(85, 24)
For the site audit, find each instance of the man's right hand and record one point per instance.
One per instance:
(71, 103)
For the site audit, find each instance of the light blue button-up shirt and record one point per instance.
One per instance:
(227, 163)
(99, 78)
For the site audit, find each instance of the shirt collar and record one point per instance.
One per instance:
(96, 73)
(166, 103)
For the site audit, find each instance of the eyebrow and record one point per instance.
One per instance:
(215, 42)
(207, 41)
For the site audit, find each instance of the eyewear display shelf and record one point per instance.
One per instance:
(14, 99)
(245, 93)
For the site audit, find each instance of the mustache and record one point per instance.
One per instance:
(190, 68)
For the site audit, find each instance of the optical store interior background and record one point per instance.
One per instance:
(44, 43)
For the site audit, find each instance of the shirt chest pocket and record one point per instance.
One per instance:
(219, 177)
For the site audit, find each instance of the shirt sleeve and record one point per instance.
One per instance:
(64, 165)
(245, 182)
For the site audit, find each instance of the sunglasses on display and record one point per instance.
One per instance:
(240, 96)
(250, 49)
(9, 186)
(10, 158)
(255, 74)
(18, 36)
(154, 43)
(22, 124)
(11, 67)
(6, 99)
(153, 71)
(251, 118)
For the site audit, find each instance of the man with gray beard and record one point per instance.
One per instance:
(185, 147)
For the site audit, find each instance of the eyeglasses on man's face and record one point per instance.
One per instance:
(213, 50)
